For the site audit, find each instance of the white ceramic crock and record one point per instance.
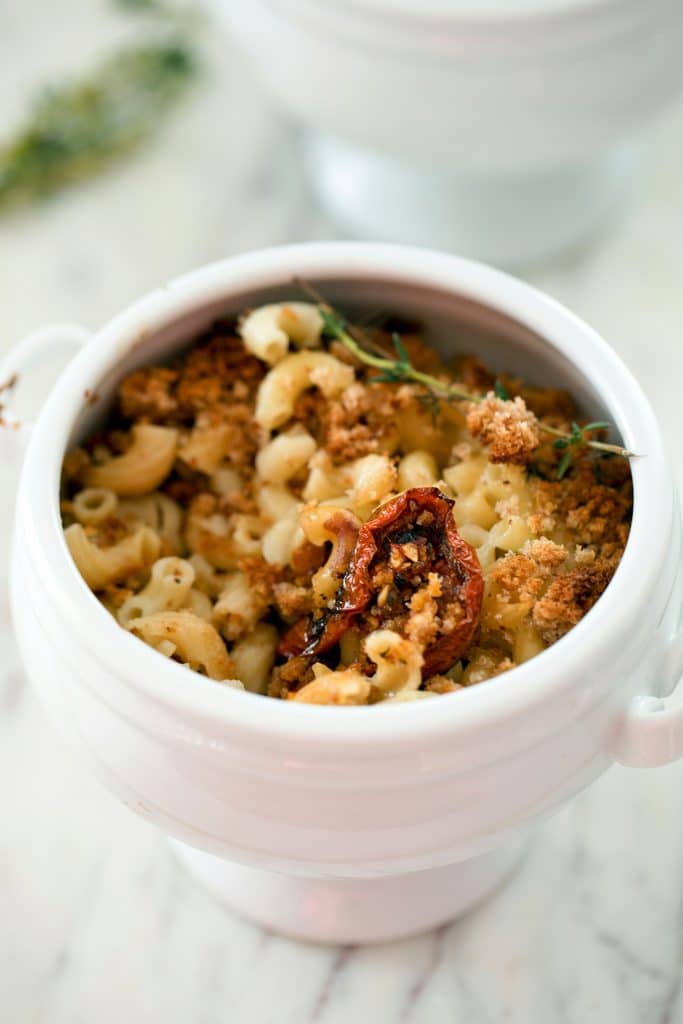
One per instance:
(353, 824)
(503, 129)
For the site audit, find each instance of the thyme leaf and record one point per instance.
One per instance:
(564, 464)
(383, 378)
(401, 351)
(598, 425)
(500, 390)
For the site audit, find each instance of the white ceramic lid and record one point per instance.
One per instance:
(477, 9)
(501, 31)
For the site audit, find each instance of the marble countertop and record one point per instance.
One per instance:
(97, 921)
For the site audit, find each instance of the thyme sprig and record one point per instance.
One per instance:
(80, 128)
(401, 370)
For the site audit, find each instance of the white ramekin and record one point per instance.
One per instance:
(505, 130)
(359, 823)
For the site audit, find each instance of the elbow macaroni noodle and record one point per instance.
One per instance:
(267, 331)
(168, 589)
(195, 641)
(397, 671)
(142, 468)
(284, 456)
(101, 567)
(287, 381)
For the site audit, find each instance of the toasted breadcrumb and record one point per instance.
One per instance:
(261, 577)
(147, 394)
(589, 512)
(508, 429)
(360, 422)
(184, 490)
(484, 664)
(292, 601)
(508, 506)
(239, 501)
(568, 598)
(441, 684)
(293, 675)
(216, 371)
(354, 400)
(541, 523)
(75, 462)
(516, 578)
(584, 556)
(545, 552)
(422, 624)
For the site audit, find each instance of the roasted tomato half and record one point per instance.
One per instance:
(410, 571)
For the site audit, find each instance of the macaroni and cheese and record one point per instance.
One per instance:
(266, 512)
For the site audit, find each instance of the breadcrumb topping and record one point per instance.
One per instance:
(360, 422)
(568, 598)
(216, 372)
(262, 578)
(292, 601)
(508, 429)
(422, 624)
(441, 684)
(586, 511)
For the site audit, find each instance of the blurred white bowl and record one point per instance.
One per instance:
(505, 130)
(352, 824)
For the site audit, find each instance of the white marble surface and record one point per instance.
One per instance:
(97, 923)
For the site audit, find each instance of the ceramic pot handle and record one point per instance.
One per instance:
(652, 732)
(26, 354)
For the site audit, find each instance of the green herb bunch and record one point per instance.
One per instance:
(77, 129)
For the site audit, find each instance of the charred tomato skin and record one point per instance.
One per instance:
(452, 557)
